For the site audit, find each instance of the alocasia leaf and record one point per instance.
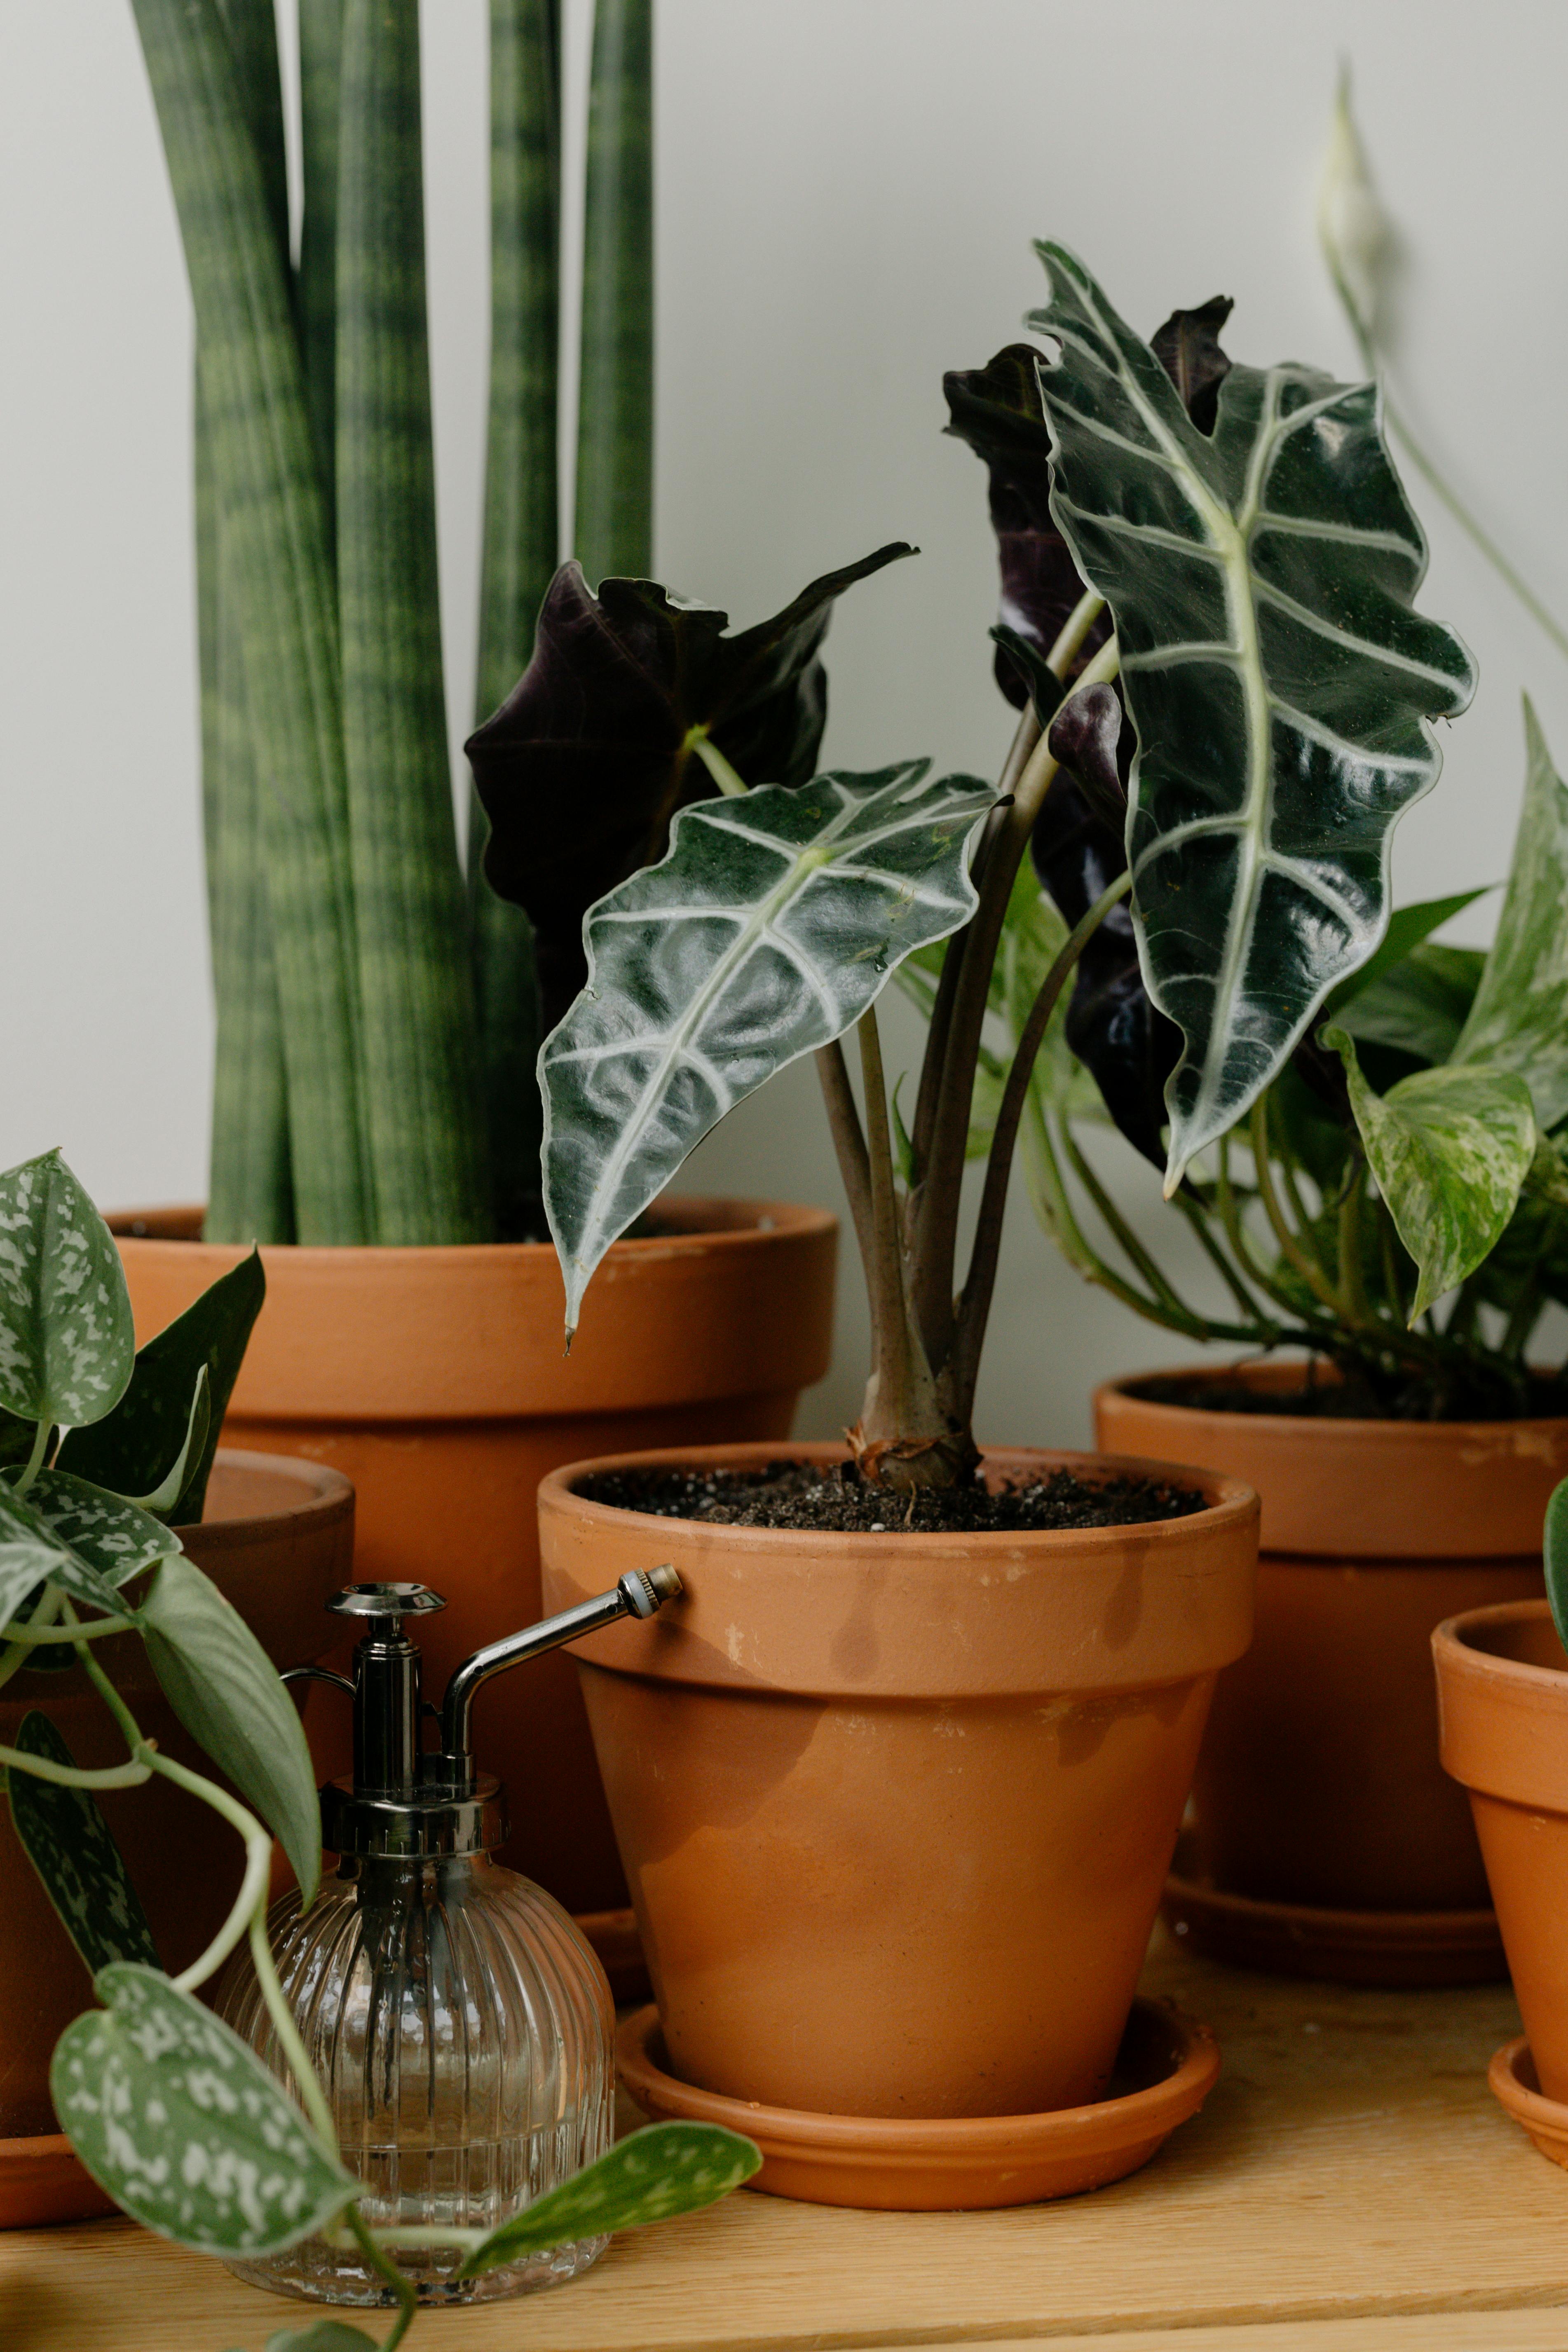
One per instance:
(183, 2125)
(1450, 1149)
(65, 1336)
(226, 1691)
(32, 1550)
(588, 762)
(1188, 348)
(1520, 1017)
(1281, 686)
(766, 933)
(71, 1846)
(651, 2175)
(133, 1448)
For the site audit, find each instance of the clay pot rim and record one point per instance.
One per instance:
(1230, 1502)
(326, 1496)
(1456, 1654)
(1345, 1428)
(746, 1221)
(956, 2140)
(1522, 2097)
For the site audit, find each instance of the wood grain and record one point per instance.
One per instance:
(1350, 2187)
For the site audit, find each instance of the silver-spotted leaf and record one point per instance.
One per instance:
(32, 1550)
(1520, 1017)
(116, 1537)
(767, 930)
(71, 1845)
(654, 2175)
(226, 1691)
(1280, 684)
(67, 1341)
(185, 2128)
(1450, 1148)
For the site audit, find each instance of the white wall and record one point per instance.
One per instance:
(848, 189)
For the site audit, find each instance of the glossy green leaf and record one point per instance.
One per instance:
(32, 1550)
(116, 1538)
(226, 1691)
(1450, 1149)
(322, 2335)
(1520, 1017)
(766, 931)
(133, 1448)
(1548, 1177)
(185, 2128)
(1280, 684)
(65, 1336)
(1555, 1554)
(71, 1845)
(1419, 1005)
(668, 2168)
(1407, 928)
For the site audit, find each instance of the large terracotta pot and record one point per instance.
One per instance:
(1502, 1702)
(435, 1380)
(278, 1539)
(1319, 1783)
(896, 1809)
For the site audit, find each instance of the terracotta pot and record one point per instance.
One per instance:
(896, 1809)
(435, 1380)
(1319, 1782)
(278, 1539)
(1502, 1703)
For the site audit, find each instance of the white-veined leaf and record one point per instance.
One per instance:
(66, 1342)
(767, 930)
(1518, 1020)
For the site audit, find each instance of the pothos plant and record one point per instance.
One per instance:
(1231, 546)
(170, 2112)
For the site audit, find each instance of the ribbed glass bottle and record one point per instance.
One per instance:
(463, 2032)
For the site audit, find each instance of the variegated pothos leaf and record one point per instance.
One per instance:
(66, 1342)
(1518, 1020)
(766, 931)
(1281, 683)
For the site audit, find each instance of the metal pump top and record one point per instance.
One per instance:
(409, 1802)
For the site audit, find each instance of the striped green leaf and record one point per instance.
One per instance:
(64, 1834)
(1556, 1559)
(613, 529)
(1520, 1017)
(1281, 684)
(649, 2177)
(67, 1340)
(321, 57)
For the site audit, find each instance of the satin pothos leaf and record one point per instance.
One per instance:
(36, 1548)
(650, 2176)
(1450, 1149)
(1281, 683)
(117, 1540)
(69, 1843)
(1520, 1017)
(65, 1336)
(585, 766)
(767, 931)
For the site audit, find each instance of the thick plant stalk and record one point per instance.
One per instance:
(321, 55)
(613, 530)
(522, 538)
(431, 1182)
(271, 501)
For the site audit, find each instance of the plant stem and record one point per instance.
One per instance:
(1197, 1217)
(32, 1635)
(35, 1463)
(850, 1145)
(73, 1776)
(1353, 1282)
(892, 1357)
(1291, 1245)
(728, 780)
(404, 2288)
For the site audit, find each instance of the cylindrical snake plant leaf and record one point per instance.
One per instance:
(431, 1182)
(522, 532)
(1281, 684)
(271, 501)
(320, 56)
(613, 529)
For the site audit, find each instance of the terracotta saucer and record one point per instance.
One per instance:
(1165, 2071)
(615, 1937)
(1407, 1949)
(1511, 2078)
(44, 2180)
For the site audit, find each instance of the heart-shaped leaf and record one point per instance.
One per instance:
(583, 769)
(1450, 1149)
(1555, 1556)
(1520, 1017)
(766, 933)
(226, 1691)
(133, 1448)
(1280, 684)
(67, 1340)
(185, 2128)
(71, 1845)
(31, 1551)
(652, 2176)
(116, 1538)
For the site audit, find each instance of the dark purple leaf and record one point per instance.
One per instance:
(1087, 735)
(1187, 348)
(593, 751)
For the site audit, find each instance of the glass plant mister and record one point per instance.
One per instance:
(460, 2023)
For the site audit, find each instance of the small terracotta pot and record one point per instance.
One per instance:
(1319, 1782)
(278, 1539)
(896, 1809)
(435, 1380)
(1502, 1704)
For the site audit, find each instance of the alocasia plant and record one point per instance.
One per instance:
(1230, 547)
(170, 2111)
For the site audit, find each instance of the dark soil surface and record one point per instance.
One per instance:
(798, 1495)
(1330, 1399)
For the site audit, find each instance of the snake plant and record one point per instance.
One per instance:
(377, 1017)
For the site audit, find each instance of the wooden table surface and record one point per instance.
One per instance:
(1350, 2187)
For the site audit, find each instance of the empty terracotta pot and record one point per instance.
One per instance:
(896, 1809)
(435, 1380)
(1502, 1703)
(1319, 1782)
(278, 1539)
